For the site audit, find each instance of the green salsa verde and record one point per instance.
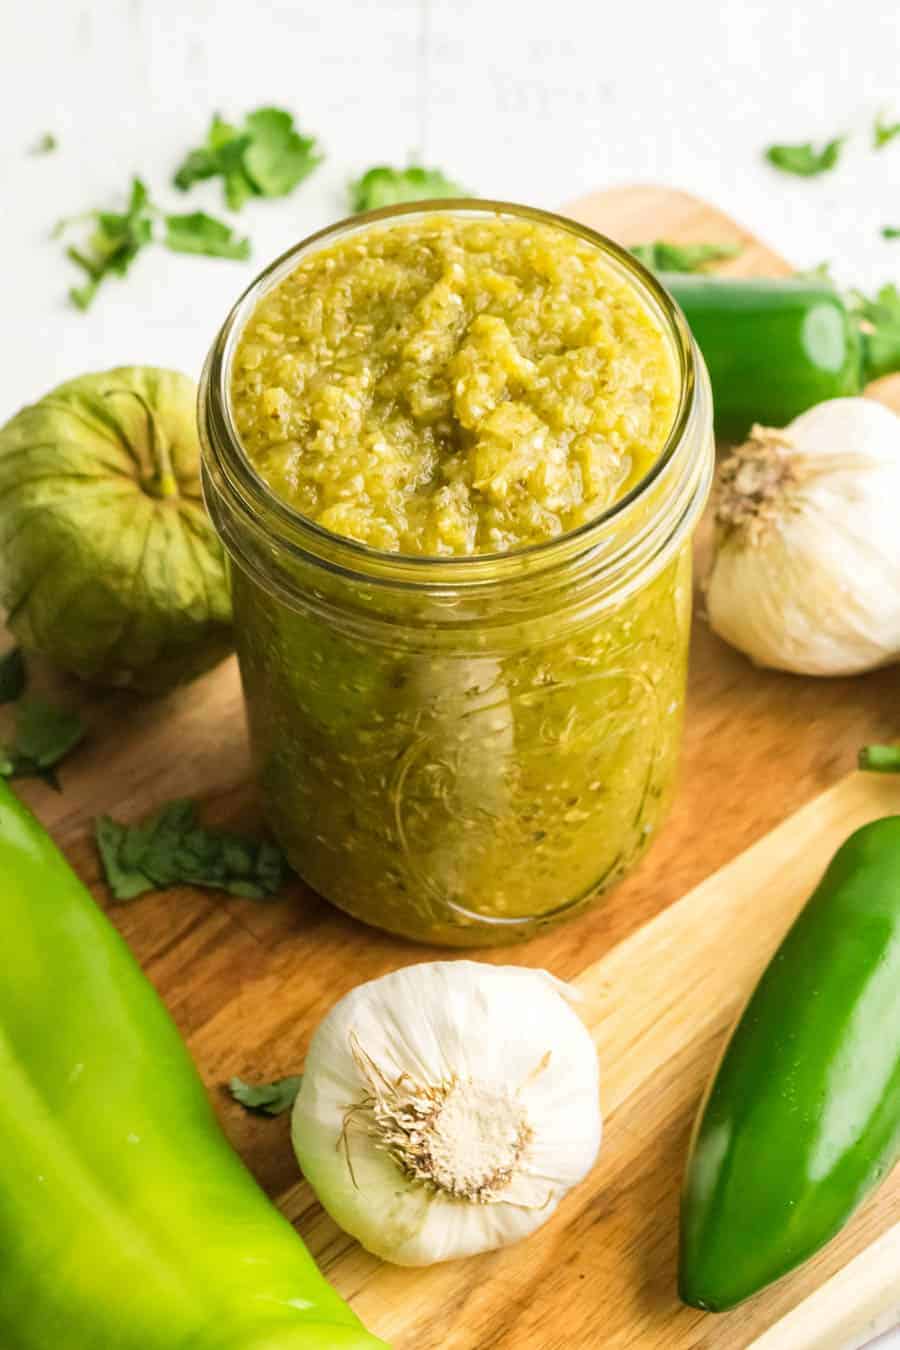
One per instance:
(461, 766)
(453, 386)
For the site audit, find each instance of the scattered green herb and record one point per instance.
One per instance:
(383, 186)
(880, 758)
(266, 156)
(890, 232)
(805, 159)
(665, 257)
(118, 237)
(171, 849)
(12, 675)
(278, 157)
(822, 272)
(44, 734)
(268, 1099)
(200, 233)
(44, 145)
(115, 242)
(222, 154)
(883, 308)
(880, 317)
(884, 132)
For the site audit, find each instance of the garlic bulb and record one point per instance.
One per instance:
(446, 1109)
(806, 572)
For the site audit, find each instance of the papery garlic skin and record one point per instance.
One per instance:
(810, 581)
(499, 1051)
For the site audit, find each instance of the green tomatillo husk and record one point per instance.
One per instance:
(109, 564)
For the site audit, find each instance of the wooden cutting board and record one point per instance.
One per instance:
(602, 1272)
(248, 982)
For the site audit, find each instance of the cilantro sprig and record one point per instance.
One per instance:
(197, 232)
(114, 243)
(43, 732)
(663, 256)
(384, 186)
(44, 735)
(266, 1099)
(171, 848)
(879, 317)
(117, 237)
(805, 159)
(263, 156)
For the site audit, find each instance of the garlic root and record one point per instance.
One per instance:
(447, 1108)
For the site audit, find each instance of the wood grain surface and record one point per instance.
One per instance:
(247, 982)
(659, 1005)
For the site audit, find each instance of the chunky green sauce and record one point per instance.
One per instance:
(457, 386)
(453, 386)
(466, 799)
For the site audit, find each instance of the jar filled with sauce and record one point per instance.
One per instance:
(456, 453)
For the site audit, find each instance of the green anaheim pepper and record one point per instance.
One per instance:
(775, 346)
(802, 1119)
(126, 1220)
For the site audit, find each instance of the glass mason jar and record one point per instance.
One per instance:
(464, 749)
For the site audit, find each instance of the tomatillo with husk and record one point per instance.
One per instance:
(109, 564)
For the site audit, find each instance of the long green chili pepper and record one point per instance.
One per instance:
(802, 1120)
(776, 346)
(126, 1220)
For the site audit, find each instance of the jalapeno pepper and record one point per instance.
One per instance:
(126, 1220)
(776, 346)
(802, 1119)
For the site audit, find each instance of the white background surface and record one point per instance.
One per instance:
(536, 100)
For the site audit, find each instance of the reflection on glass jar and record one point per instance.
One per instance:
(464, 749)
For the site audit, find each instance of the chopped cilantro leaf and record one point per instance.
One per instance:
(115, 242)
(44, 145)
(663, 256)
(883, 308)
(266, 156)
(805, 160)
(118, 237)
(278, 157)
(884, 132)
(268, 1099)
(205, 162)
(890, 232)
(223, 154)
(44, 734)
(199, 233)
(384, 186)
(171, 848)
(880, 322)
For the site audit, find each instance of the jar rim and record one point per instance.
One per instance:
(305, 537)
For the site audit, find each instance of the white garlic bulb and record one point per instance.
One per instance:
(445, 1109)
(806, 571)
